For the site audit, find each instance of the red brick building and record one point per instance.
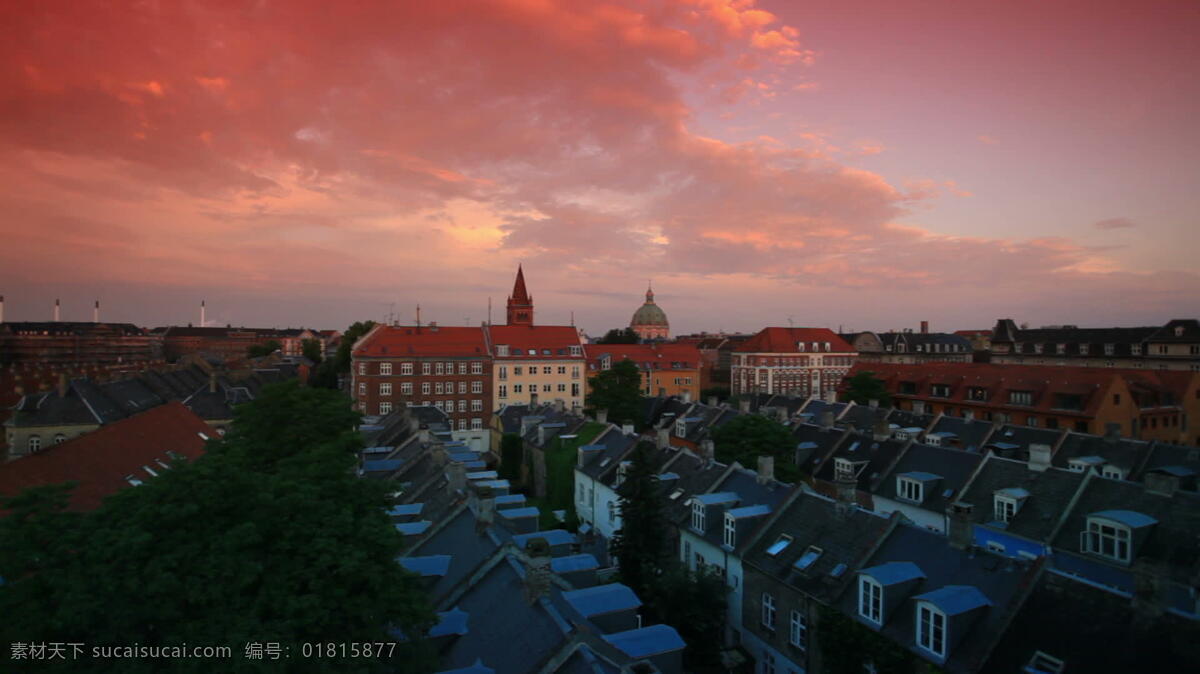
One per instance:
(447, 367)
(76, 343)
(791, 361)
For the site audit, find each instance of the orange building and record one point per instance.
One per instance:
(667, 369)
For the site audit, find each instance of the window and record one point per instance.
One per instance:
(518, 370)
(545, 370)
(502, 350)
(1041, 663)
(574, 371)
(477, 367)
(426, 367)
(574, 390)
(476, 405)
(462, 406)
(1005, 508)
(385, 408)
(439, 368)
(406, 368)
(1031, 422)
(612, 512)
(1020, 397)
(1112, 473)
(462, 367)
(768, 662)
(425, 387)
(476, 387)
(362, 368)
(1083, 349)
(931, 629)
(385, 389)
(768, 611)
(730, 531)
(798, 634)
(562, 388)
(1135, 349)
(1062, 348)
(870, 600)
(909, 489)
(385, 368)
(503, 392)
(503, 373)
(698, 516)
(362, 388)
(462, 424)
(518, 388)
(477, 424)
(35, 443)
(1106, 538)
(406, 388)
(977, 393)
(940, 391)
(59, 439)
(462, 387)
(562, 369)
(440, 388)
(779, 545)
(449, 368)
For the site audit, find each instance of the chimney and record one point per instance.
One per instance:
(423, 434)
(456, 477)
(1039, 457)
(663, 439)
(212, 382)
(918, 407)
(766, 469)
(924, 327)
(602, 416)
(1112, 432)
(873, 403)
(959, 532)
(847, 494)
(62, 385)
(1157, 482)
(56, 310)
(537, 569)
(96, 312)
(627, 428)
(882, 430)
(560, 405)
(830, 395)
(533, 399)
(686, 396)
(202, 313)
(827, 419)
(781, 413)
(708, 451)
(485, 509)
(744, 405)
(712, 400)
(969, 415)
(541, 436)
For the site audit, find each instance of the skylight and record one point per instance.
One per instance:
(779, 545)
(838, 571)
(675, 494)
(810, 556)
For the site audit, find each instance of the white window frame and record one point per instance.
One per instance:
(34, 443)
(425, 387)
(476, 405)
(477, 387)
(476, 367)
(362, 388)
(406, 368)
(908, 489)
(477, 424)
(931, 629)
(768, 611)
(870, 600)
(730, 538)
(503, 391)
(426, 368)
(439, 368)
(462, 367)
(385, 389)
(385, 409)
(798, 630)
(698, 516)
(406, 388)
(362, 368)
(1108, 539)
(1005, 508)
(385, 368)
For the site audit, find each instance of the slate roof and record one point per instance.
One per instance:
(744, 483)
(1023, 436)
(879, 454)
(101, 460)
(972, 433)
(695, 477)
(952, 468)
(1123, 452)
(1050, 494)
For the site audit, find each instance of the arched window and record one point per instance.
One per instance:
(59, 439)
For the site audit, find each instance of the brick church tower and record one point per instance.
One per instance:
(520, 304)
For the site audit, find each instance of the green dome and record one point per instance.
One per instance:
(649, 313)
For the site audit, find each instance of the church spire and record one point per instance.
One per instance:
(649, 293)
(520, 304)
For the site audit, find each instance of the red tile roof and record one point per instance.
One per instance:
(100, 461)
(660, 356)
(783, 340)
(424, 341)
(537, 338)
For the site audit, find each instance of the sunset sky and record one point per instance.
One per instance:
(867, 164)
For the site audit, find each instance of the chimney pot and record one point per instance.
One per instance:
(959, 515)
(766, 469)
(712, 401)
(744, 406)
(1039, 457)
(602, 416)
(663, 439)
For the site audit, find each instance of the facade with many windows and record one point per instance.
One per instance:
(446, 367)
(791, 361)
(667, 369)
(534, 364)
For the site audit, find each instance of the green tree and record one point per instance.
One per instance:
(512, 454)
(268, 537)
(619, 336)
(618, 390)
(349, 337)
(265, 349)
(694, 604)
(864, 387)
(313, 350)
(640, 544)
(748, 436)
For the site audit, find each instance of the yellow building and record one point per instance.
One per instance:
(536, 364)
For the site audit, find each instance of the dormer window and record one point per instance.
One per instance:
(909, 489)
(931, 629)
(1007, 502)
(1135, 349)
(816, 347)
(800, 347)
(681, 429)
(1083, 349)
(1113, 472)
(576, 350)
(1020, 397)
(698, 516)
(828, 346)
(1062, 349)
(1110, 533)
(502, 350)
(940, 391)
(870, 600)
(1178, 330)
(1110, 349)
(845, 469)
(1038, 347)
(730, 531)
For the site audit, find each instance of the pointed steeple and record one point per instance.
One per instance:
(520, 304)
(649, 293)
(519, 294)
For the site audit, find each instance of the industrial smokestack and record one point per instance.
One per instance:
(96, 312)
(56, 310)
(202, 313)
(1, 308)
(924, 327)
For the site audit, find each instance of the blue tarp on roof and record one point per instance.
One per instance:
(647, 641)
(552, 536)
(413, 528)
(571, 563)
(431, 565)
(453, 621)
(382, 465)
(719, 497)
(593, 601)
(1130, 518)
(955, 599)
(406, 509)
(514, 513)
(749, 511)
(890, 573)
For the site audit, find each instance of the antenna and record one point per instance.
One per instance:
(418, 315)
(572, 319)
(489, 322)
(791, 323)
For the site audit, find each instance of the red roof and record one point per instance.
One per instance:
(973, 333)
(519, 294)
(660, 355)
(534, 340)
(424, 341)
(784, 340)
(101, 461)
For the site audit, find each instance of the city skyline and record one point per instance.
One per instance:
(836, 164)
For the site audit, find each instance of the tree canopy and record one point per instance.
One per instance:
(349, 337)
(618, 390)
(265, 349)
(864, 387)
(268, 537)
(313, 350)
(748, 436)
(619, 336)
(640, 544)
